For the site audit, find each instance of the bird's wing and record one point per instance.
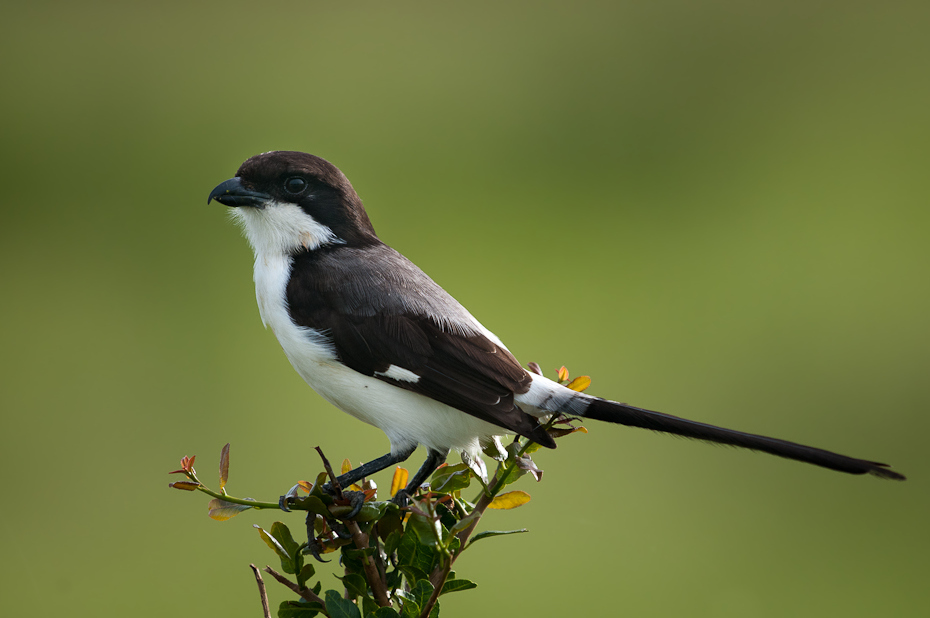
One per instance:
(466, 371)
(421, 340)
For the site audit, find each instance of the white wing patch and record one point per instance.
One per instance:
(399, 373)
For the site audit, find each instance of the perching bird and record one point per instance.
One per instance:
(377, 338)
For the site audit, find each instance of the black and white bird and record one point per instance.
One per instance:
(377, 338)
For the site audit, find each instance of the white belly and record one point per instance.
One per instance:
(406, 417)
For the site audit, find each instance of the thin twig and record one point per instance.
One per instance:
(261, 591)
(305, 593)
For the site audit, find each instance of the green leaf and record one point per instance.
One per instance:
(220, 510)
(489, 533)
(384, 612)
(412, 573)
(451, 478)
(392, 521)
(369, 606)
(283, 534)
(315, 505)
(307, 572)
(456, 585)
(423, 528)
(392, 541)
(410, 609)
(422, 591)
(355, 584)
(337, 607)
(512, 475)
(287, 565)
(295, 609)
(413, 552)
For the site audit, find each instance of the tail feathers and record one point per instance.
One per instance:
(613, 412)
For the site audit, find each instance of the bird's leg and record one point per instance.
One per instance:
(355, 475)
(433, 460)
(375, 465)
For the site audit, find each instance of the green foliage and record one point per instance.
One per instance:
(397, 562)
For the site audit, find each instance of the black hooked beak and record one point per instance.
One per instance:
(232, 193)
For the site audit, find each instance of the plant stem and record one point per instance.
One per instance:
(305, 593)
(261, 591)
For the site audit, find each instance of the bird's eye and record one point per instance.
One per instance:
(295, 184)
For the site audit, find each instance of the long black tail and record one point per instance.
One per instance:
(613, 412)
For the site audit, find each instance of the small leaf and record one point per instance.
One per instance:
(355, 584)
(283, 535)
(307, 486)
(476, 464)
(534, 368)
(563, 374)
(221, 510)
(410, 609)
(495, 450)
(488, 534)
(556, 432)
(337, 607)
(510, 500)
(307, 572)
(422, 591)
(273, 543)
(526, 463)
(580, 383)
(185, 485)
(346, 467)
(456, 585)
(399, 481)
(224, 466)
(451, 478)
(298, 609)
(187, 465)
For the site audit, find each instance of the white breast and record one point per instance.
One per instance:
(407, 418)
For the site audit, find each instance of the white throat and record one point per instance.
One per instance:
(280, 228)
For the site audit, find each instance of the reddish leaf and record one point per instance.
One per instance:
(307, 486)
(185, 485)
(224, 465)
(563, 373)
(534, 368)
(187, 466)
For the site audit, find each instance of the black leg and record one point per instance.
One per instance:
(375, 465)
(433, 461)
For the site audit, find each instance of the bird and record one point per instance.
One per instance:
(377, 338)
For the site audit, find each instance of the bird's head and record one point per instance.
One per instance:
(293, 201)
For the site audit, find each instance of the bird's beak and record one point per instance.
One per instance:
(233, 193)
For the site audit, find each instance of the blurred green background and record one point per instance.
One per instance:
(715, 209)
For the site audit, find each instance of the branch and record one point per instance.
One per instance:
(378, 586)
(261, 591)
(306, 593)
